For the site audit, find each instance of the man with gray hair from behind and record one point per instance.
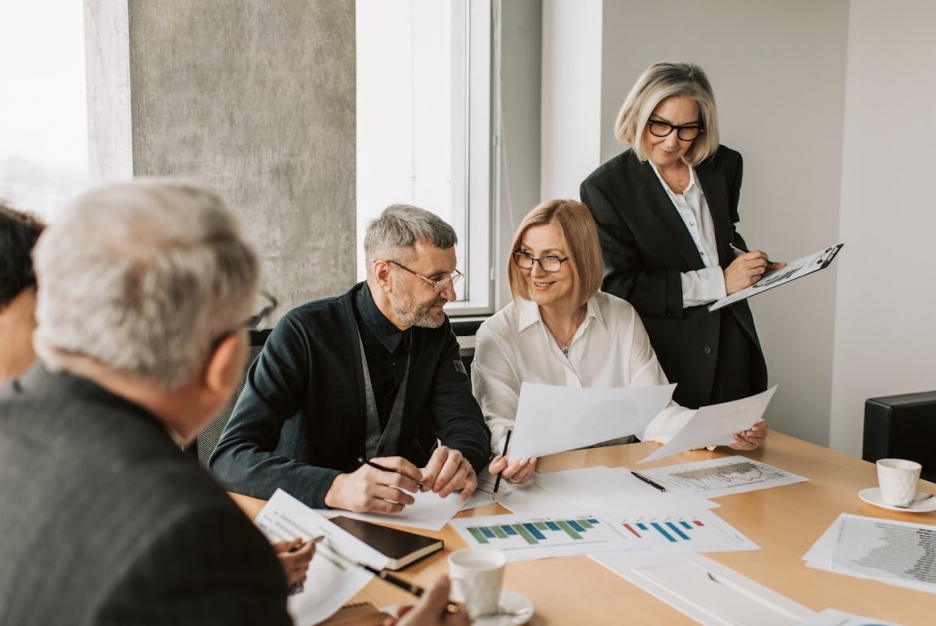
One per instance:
(144, 289)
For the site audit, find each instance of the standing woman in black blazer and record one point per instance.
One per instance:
(666, 210)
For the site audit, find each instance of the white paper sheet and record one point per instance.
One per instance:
(331, 581)
(714, 478)
(715, 425)
(429, 512)
(540, 535)
(833, 617)
(897, 553)
(615, 492)
(706, 591)
(553, 418)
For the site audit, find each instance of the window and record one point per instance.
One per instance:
(43, 124)
(423, 125)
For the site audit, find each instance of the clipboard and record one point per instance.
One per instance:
(774, 278)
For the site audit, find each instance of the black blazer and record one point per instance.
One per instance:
(105, 522)
(646, 246)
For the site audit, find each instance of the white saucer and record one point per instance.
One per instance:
(872, 495)
(515, 609)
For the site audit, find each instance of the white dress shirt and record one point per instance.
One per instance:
(705, 285)
(609, 349)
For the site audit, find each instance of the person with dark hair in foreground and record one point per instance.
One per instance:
(18, 234)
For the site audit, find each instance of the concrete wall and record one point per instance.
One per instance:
(884, 338)
(258, 100)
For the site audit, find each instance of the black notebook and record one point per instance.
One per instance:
(401, 546)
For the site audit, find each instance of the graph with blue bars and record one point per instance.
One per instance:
(523, 537)
(534, 533)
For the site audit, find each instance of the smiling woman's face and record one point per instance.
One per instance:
(548, 288)
(678, 111)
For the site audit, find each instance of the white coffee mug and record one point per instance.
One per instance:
(898, 479)
(477, 579)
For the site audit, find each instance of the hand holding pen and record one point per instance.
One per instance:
(747, 269)
(516, 472)
(294, 557)
(434, 607)
(380, 484)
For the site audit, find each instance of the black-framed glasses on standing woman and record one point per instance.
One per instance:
(686, 132)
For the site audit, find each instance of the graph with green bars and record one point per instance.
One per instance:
(522, 537)
(534, 533)
(534, 536)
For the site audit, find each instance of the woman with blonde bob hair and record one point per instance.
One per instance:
(561, 330)
(666, 210)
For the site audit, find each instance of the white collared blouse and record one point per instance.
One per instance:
(609, 349)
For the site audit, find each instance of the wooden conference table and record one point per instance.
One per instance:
(783, 521)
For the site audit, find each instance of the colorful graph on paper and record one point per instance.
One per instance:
(722, 477)
(526, 537)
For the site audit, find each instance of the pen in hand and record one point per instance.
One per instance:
(387, 469)
(649, 482)
(414, 589)
(743, 251)
(501, 473)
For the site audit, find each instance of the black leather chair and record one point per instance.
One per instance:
(903, 427)
(207, 439)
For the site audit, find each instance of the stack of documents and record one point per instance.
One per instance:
(898, 553)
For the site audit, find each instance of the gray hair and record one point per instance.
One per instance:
(659, 82)
(141, 277)
(398, 228)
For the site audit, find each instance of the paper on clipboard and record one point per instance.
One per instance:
(774, 278)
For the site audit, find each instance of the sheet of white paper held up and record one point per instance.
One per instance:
(553, 418)
(715, 424)
(332, 580)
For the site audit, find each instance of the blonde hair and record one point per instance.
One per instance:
(580, 238)
(659, 82)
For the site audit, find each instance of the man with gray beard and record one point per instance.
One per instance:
(358, 401)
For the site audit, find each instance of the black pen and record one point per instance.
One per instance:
(743, 251)
(501, 473)
(386, 469)
(649, 482)
(414, 589)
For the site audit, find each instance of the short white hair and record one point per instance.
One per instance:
(142, 277)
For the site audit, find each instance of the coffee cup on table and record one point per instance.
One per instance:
(477, 579)
(898, 479)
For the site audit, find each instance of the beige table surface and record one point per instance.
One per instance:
(783, 521)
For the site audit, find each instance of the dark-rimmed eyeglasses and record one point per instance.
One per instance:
(438, 285)
(251, 323)
(686, 132)
(549, 263)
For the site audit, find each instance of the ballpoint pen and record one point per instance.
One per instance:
(298, 586)
(743, 251)
(501, 473)
(386, 469)
(649, 482)
(414, 589)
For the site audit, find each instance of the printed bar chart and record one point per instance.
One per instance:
(523, 537)
(533, 533)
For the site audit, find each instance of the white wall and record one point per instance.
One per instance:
(778, 71)
(571, 102)
(884, 338)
